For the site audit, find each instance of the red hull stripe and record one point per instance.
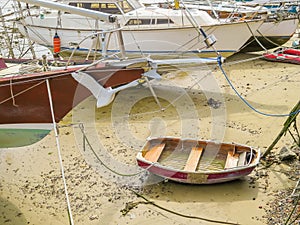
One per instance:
(184, 175)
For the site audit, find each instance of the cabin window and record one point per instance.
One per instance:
(86, 5)
(139, 22)
(125, 6)
(76, 4)
(81, 5)
(102, 7)
(109, 8)
(148, 21)
(95, 6)
(164, 21)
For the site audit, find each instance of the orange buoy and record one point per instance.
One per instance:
(56, 43)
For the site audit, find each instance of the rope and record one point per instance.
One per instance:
(242, 61)
(65, 73)
(5, 4)
(131, 32)
(81, 127)
(26, 27)
(180, 214)
(12, 92)
(266, 38)
(269, 40)
(246, 102)
(59, 153)
(253, 35)
(21, 92)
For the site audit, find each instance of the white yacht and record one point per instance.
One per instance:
(145, 30)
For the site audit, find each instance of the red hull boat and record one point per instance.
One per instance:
(281, 57)
(286, 55)
(25, 111)
(291, 51)
(197, 161)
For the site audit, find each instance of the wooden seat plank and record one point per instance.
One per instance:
(154, 153)
(193, 159)
(232, 160)
(242, 159)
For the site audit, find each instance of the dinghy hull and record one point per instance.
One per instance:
(197, 161)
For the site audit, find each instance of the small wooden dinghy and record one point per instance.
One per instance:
(196, 161)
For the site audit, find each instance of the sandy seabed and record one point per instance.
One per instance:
(101, 171)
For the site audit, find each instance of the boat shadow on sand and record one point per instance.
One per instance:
(233, 191)
(10, 213)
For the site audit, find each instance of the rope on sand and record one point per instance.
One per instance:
(246, 102)
(85, 139)
(180, 214)
(131, 205)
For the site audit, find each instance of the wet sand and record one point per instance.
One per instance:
(31, 188)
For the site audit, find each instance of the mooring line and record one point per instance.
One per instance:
(246, 102)
(59, 153)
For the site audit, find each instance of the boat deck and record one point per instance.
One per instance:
(195, 156)
(178, 158)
